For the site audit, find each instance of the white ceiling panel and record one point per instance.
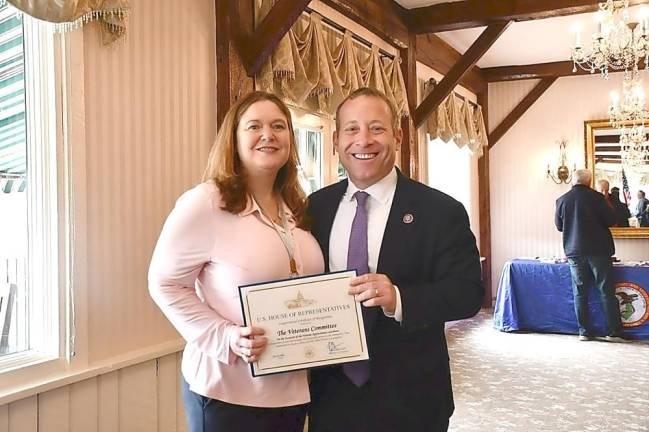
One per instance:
(527, 42)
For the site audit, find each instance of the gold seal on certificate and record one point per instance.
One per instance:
(309, 321)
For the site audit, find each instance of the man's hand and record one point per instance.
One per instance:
(248, 343)
(374, 290)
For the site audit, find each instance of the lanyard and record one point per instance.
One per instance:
(286, 237)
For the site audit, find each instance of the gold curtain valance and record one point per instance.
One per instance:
(458, 120)
(70, 14)
(315, 67)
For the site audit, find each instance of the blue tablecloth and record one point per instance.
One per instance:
(537, 296)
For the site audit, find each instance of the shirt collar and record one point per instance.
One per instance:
(252, 207)
(381, 191)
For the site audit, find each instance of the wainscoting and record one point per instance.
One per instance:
(140, 398)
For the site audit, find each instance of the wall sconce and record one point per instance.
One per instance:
(563, 173)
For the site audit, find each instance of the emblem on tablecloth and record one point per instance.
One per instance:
(634, 304)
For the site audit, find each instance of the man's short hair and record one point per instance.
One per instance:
(582, 177)
(642, 192)
(372, 92)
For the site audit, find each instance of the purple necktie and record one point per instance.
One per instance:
(359, 372)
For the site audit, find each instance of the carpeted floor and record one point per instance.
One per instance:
(530, 382)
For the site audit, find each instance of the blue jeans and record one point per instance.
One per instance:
(586, 270)
(210, 415)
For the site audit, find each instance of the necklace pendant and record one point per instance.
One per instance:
(293, 266)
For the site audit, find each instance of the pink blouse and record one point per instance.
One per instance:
(202, 256)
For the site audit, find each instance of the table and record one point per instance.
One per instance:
(537, 296)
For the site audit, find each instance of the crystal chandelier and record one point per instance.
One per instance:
(617, 45)
(631, 109)
(634, 146)
(629, 115)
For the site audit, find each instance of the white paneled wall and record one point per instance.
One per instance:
(506, 99)
(149, 106)
(150, 122)
(140, 398)
(522, 199)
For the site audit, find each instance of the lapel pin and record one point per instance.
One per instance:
(408, 218)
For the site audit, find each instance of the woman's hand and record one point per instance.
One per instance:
(248, 343)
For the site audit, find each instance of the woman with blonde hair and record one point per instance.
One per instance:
(243, 224)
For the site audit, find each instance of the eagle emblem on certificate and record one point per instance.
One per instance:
(299, 301)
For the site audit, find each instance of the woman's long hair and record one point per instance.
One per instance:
(225, 169)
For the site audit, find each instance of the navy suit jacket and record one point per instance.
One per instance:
(435, 263)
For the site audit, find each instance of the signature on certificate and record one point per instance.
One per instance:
(335, 347)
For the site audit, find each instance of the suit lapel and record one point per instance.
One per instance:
(401, 224)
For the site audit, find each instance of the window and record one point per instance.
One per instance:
(29, 244)
(309, 148)
(319, 165)
(341, 172)
(450, 170)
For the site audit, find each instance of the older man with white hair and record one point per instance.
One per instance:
(584, 218)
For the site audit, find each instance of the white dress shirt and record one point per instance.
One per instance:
(378, 206)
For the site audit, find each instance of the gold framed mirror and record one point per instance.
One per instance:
(604, 160)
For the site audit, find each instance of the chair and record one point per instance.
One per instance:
(7, 295)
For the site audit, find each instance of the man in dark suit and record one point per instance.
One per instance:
(584, 218)
(620, 210)
(419, 268)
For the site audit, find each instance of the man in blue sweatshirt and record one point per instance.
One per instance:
(584, 218)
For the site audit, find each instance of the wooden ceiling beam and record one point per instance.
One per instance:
(519, 110)
(255, 48)
(453, 77)
(606, 139)
(381, 17)
(441, 57)
(477, 13)
(537, 71)
(531, 71)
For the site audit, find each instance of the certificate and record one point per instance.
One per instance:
(309, 321)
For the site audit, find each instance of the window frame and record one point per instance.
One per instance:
(308, 120)
(50, 100)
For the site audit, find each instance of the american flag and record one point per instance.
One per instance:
(625, 188)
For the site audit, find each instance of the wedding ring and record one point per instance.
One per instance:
(376, 292)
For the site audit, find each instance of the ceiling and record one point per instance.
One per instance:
(527, 42)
